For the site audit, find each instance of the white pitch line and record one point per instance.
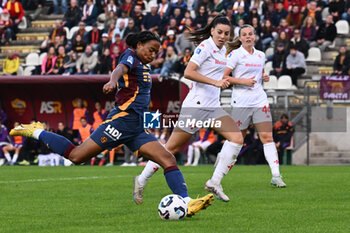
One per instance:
(59, 179)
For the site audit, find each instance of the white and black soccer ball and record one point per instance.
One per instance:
(172, 207)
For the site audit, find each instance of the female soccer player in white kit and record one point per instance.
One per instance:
(245, 70)
(206, 69)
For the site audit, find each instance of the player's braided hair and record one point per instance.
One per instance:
(133, 38)
(202, 34)
(236, 43)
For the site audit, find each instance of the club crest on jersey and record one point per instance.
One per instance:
(259, 56)
(244, 56)
(202, 45)
(130, 59)
(198, 51)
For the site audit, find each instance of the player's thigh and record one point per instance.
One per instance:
(7, 148)
(265, 131)
(229, 130)
(177, 140)
(156, 152)
(85, 151)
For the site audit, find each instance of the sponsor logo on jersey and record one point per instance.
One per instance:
(229, 55)
(198, 51)
(220, 62)
(130, 60)
(202, 45)
(253, 65)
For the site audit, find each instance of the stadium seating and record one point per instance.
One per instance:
(269, 52)
(314, 54)
(32, 59)
(272, 84)
(20, 71)
(342, 27)
(268, 67)
(284, 82)
(325, 13)
(23, 24)
(28, 70)
(72, 31)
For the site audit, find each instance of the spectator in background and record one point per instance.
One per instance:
(90, 13)
(336, 9)
(172, 26)
(299, 43)
(79, 112)
(284, 27)
(119, 43)
(78, 45)
(207, 4)
(252, 14)
(111, 6)
(111, 17)
(72, 15)
(115, 57)
(313, 12)
(4, 140)
(241, 15)
(308, 31)
(180, 4)
(94, 36)
(157, 63)
(69, 66)
(278, 14)
(201, 18)
(170, 59)
(181, 64)
(64, 131)
(138, 16)
(266, 35)
(217, 8)
(85, 130)
(205, 139)
(16, 145)
(126, 7)
(63, 7)
(58, 31)
(104, 43)
(48, 64)
(104, 63)
(295, 18)
(131, 28)
(36, 6)
(16, 14)
(169, 40)
(182, 43)
(341, 64)
(87, 62)
(346, 15)
(325, 34)
(279, 59)
(11, 63)
(99, 115)
(237, 4)
(120, 29)
(295, 65)
(110, 31)
(177, 15)
(256, 25)
(130, 159)
(5, 27)
(62, 59)
(283, 131)
(239, 25)
(152, 20)
(81, 31)
(282, 38)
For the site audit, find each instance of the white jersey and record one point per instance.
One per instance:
(244, 66)
(211, 63)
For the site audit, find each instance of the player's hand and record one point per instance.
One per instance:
(109, 87)
(266, 78)
(250, 81)
(223, 83)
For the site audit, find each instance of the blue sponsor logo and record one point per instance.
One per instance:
(151, 120)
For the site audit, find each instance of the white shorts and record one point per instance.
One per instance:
(204, 145)
(190, 118)
(246, 116)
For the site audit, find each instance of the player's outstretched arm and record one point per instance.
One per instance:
(192, 74)
(118, 72)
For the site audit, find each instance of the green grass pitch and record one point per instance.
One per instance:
(99, 199)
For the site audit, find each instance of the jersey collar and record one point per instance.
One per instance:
(246, 52)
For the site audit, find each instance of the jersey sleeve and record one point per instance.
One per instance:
(128, 59)
(232, 60)
(199, 55)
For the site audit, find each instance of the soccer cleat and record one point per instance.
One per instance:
(138, 191)
(24, 163)
(26, 130)
(198, 204)
(278, 182)
(217, 190)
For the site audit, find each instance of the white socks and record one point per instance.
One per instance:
(8, 157)
(189, 154)
(272, 158)
(197, 155)
(228, 157)
(13, 160)
(37, 133)
(149, 170)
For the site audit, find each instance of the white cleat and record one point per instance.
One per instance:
(138, 191)
(217, 190)
(278, 182)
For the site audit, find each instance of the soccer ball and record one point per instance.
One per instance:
(172, 207)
